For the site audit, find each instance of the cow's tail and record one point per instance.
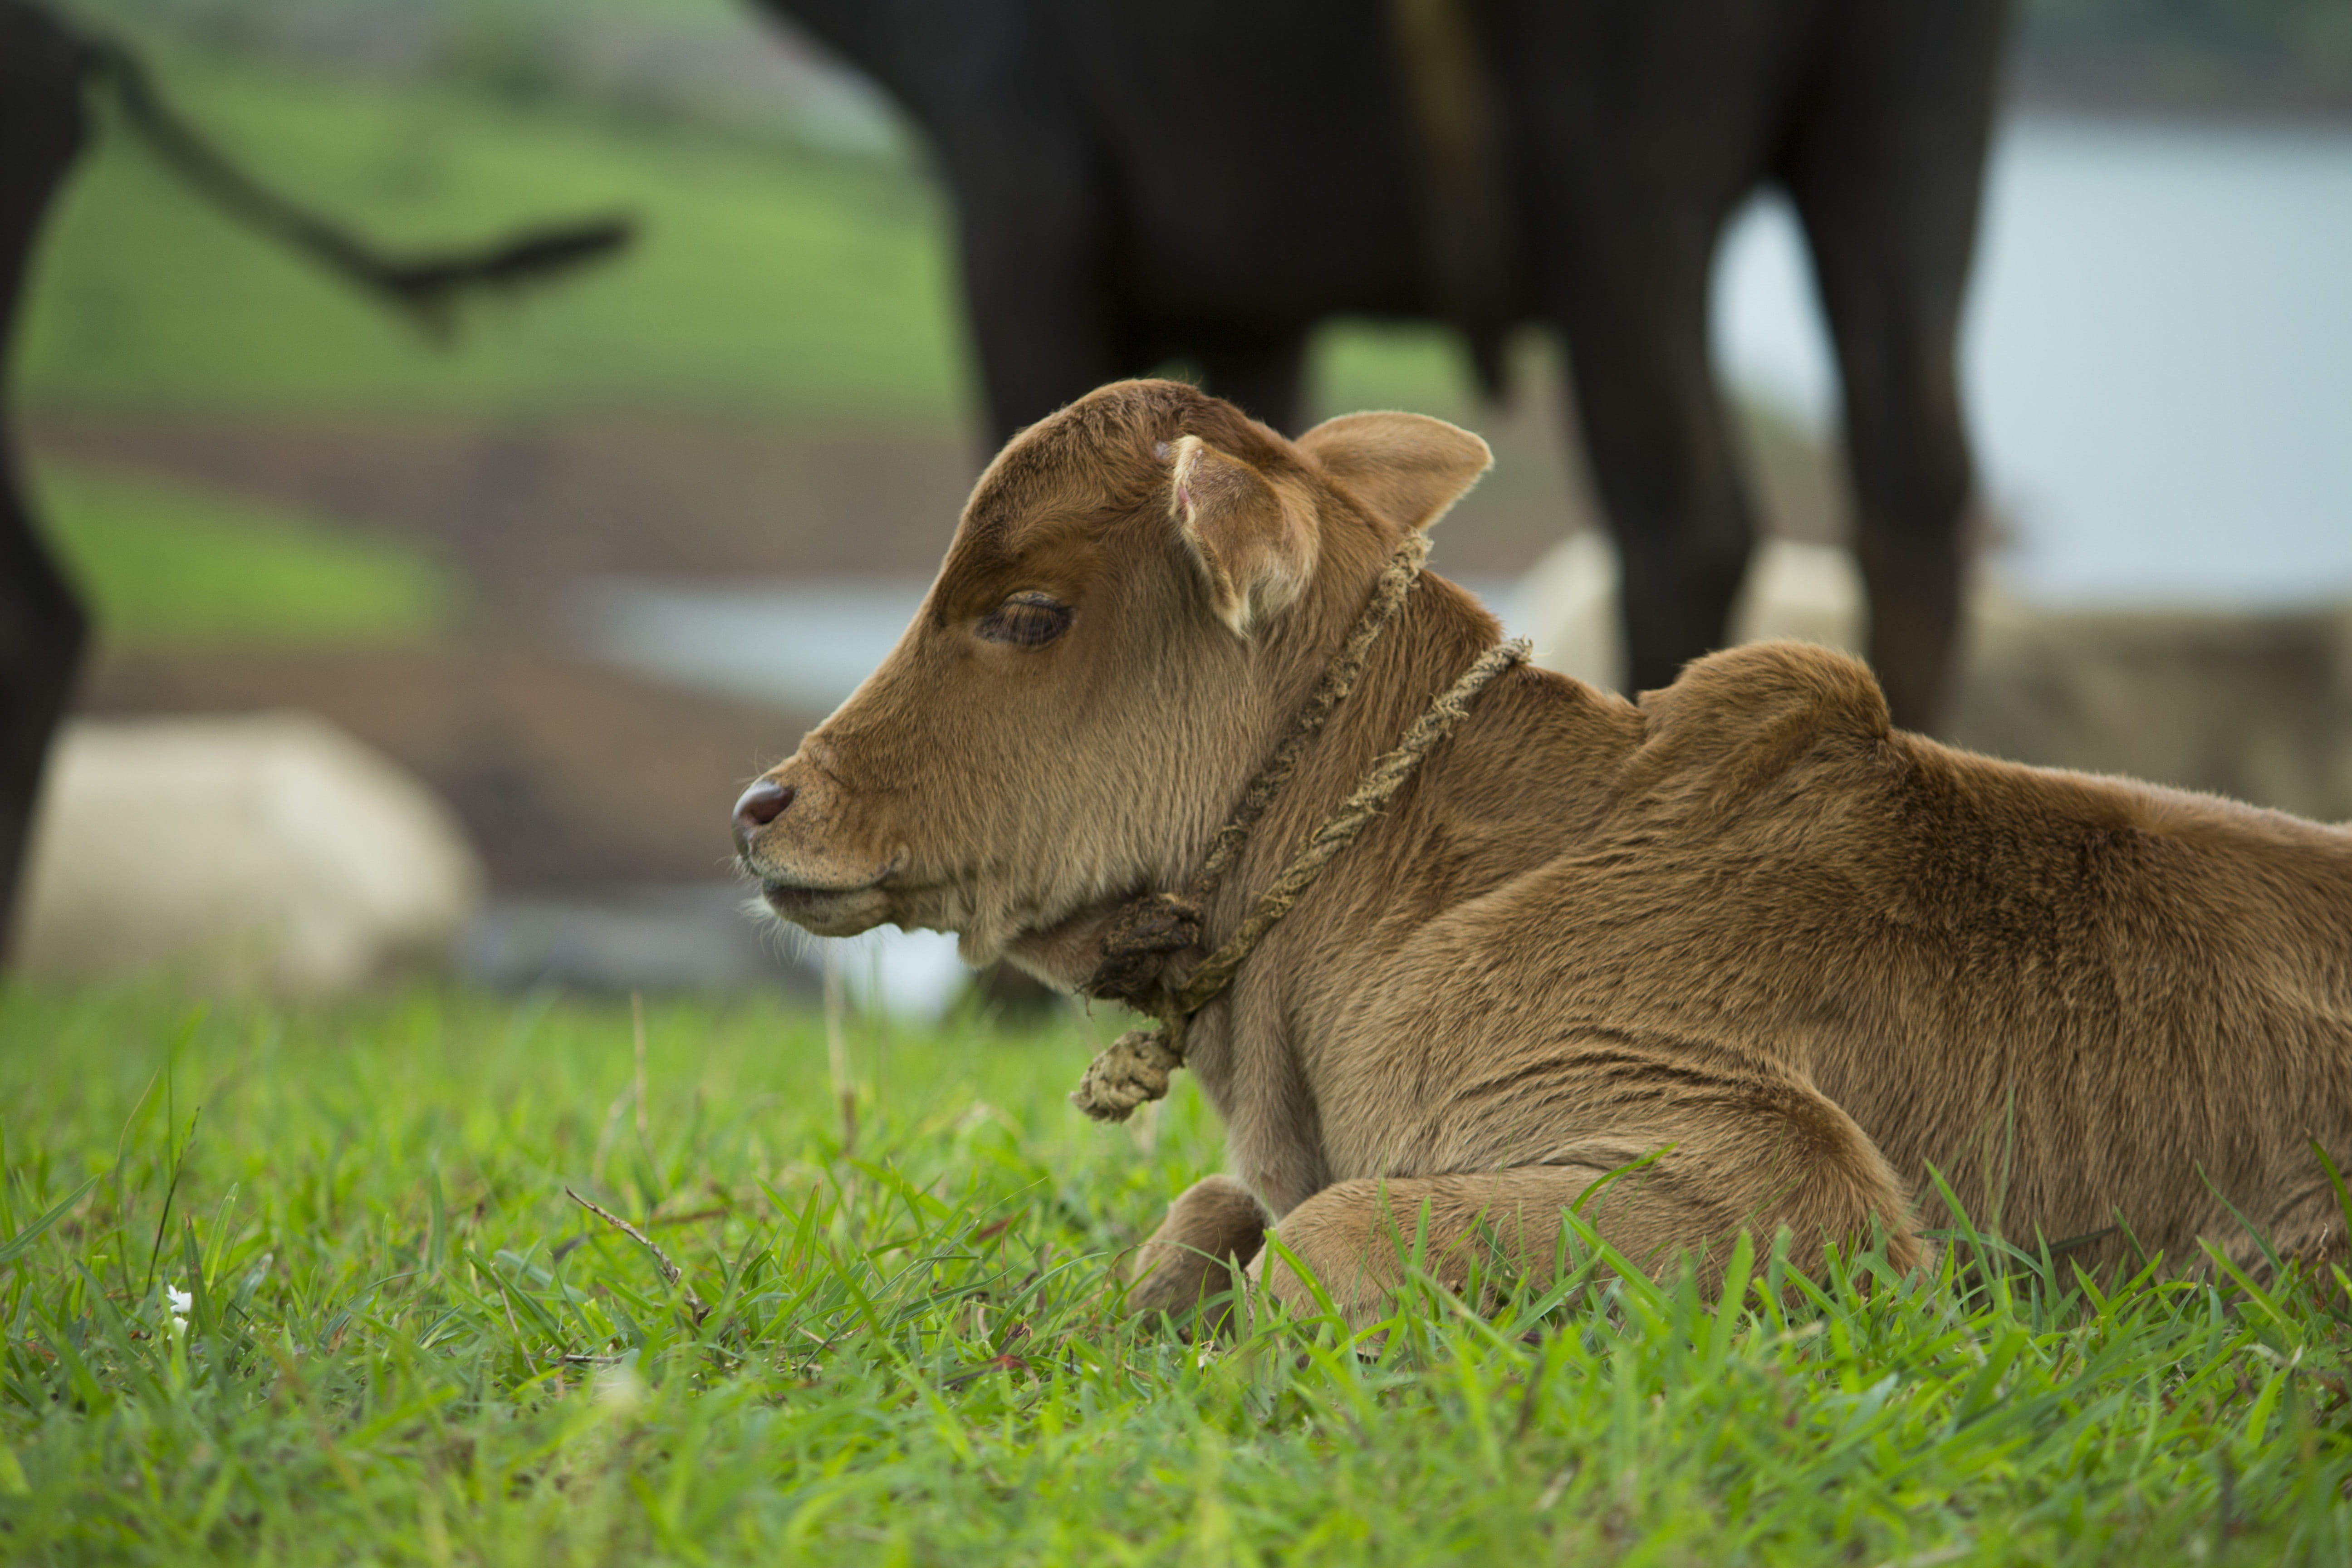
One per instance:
(423, 287)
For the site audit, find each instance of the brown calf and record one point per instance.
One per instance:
(1743, 921)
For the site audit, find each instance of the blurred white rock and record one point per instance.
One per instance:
(1568, 603)
(1800, 593)
(266, 849)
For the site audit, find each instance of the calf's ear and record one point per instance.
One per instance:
(1408, 467)
(1255, 549)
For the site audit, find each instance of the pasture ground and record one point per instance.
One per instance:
(293, 1285)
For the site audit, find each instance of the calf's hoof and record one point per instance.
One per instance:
(1212, 1232)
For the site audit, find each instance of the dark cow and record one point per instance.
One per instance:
(46, 70)
(1135, 183)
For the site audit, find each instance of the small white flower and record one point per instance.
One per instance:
(179, 1302)
(619, 1389)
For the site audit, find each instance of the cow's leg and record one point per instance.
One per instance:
(1660, 448)
(1036, 272)
(1638, 130)
(1886, 170)
(1260, 374)
(42, 632)
(41, 624)
(1793, 1161)
(1215, 1227)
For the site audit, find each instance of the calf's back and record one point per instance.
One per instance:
(2087, 1003)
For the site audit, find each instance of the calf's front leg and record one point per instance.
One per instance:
(1215, 1227)
(1356, 1238)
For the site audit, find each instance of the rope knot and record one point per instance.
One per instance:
(1137, 947)
(1134, 1070)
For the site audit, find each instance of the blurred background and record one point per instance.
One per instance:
(591, 566)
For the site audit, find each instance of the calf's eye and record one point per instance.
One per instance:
(1025, 620)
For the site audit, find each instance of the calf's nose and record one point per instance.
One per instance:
(760, 806)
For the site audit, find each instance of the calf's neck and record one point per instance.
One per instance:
(1742, 920)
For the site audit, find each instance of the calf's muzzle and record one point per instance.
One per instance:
(758, 807)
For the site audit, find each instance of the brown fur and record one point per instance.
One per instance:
(1744, 920)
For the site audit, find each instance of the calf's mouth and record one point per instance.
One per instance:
(825, 899)
(825, 911)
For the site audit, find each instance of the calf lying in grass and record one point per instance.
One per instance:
(1742, 921)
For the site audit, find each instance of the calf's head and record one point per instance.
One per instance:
(1141, 591)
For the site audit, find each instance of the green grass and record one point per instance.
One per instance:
(793, 284)
(163, 564)
(404, 1344)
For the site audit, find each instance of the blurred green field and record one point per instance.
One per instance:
(763, 280)
(302, 1285)
(162, 565)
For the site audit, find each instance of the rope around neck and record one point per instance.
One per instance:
(1398, 579)
(1137, 1066)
